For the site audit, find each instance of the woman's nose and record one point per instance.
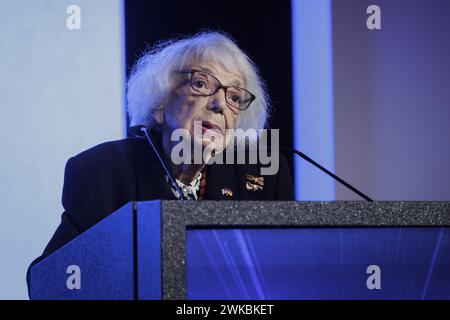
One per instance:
(217, 102)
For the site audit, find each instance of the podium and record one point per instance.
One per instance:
(255, 250)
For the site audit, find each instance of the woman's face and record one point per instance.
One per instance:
(201, 116)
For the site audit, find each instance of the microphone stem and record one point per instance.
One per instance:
(163, 163)
(348, 185)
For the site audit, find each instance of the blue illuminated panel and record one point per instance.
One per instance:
(312, 68)
(318, 263)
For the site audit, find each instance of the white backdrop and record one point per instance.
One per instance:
(61, 92)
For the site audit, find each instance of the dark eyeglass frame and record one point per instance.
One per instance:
(220, 86)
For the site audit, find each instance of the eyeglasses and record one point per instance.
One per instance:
(206, 85)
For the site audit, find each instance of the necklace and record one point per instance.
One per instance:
(192, 191)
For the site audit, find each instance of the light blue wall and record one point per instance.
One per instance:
(372, 105)
(61, 91)
(392, 99)
(313, 96)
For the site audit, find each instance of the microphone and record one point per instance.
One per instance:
(141, 131)
(331, 174)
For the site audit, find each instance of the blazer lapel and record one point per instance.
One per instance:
(150, 176)
(221, 183)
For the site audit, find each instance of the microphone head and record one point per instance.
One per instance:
(136, 131)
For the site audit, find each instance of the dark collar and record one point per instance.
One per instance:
(151, 183)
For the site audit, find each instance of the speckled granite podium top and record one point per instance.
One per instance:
(179, 216)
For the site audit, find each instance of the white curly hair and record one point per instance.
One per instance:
(151, 80)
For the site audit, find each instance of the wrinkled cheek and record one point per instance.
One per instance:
(232, 121)
(226, 140)
(181, 119)
(197, 132)
(192, 112)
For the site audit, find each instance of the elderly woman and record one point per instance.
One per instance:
(198, 84)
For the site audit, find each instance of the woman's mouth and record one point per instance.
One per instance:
(207, 125)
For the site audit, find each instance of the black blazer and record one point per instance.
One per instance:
(102, 179)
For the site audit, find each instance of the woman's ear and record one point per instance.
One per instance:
(158, 114)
